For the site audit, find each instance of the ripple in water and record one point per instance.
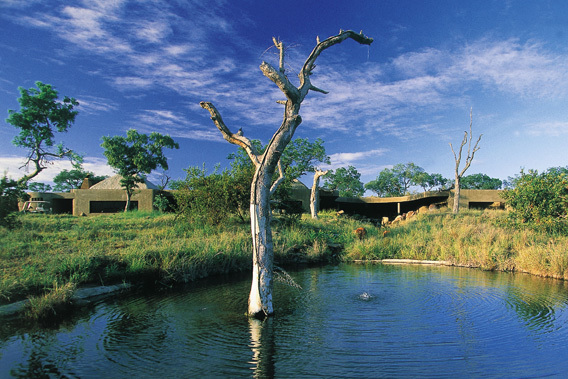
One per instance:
(346, 321)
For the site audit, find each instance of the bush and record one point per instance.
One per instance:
(162, 203)
(539, 198)
(9, 195)
(208, 199)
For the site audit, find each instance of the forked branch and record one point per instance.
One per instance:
(297, 95)
(309, 65)
(234, 138)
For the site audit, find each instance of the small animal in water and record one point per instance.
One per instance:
(361, 233)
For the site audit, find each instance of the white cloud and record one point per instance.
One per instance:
(363, 99)
(95, 105)
(99, 166)
(174, 124)
(554, 129)
(342, 159)
(526, 70)
(132, 82)
(11, 165)
(152, 31)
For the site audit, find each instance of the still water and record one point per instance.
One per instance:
(345, 321)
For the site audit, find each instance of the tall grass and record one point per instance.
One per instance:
(54, 251)
(473, 238)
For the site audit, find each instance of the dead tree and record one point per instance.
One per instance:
(314, 196)
(467, 138)
(266, 164)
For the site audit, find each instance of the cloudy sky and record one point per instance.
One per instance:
(147, 64)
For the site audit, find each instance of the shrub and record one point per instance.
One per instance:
(541, 199)
(161, 203)
(10, 192)
(208, 199)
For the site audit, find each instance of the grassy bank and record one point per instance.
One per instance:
(57, 251)
(53, 250)
(479, 239)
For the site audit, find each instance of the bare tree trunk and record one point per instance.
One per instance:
(128, 196)
(456, 207)
(314, 196)
(260, 298)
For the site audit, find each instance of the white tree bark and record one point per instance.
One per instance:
(260, 298)
(470, 154)
(314, 196)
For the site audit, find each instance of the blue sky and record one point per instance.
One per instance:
(147, 64)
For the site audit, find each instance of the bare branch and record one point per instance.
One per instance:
(308, 66)
(234, 138)
(314, 88)
(279, 180)
(319, 173)
(280, 46)
(281, 81)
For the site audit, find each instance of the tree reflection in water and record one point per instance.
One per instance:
(262, 346)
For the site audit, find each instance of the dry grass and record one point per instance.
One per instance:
(473, 239)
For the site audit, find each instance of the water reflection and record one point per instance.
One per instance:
(346, 321)
(262, 346)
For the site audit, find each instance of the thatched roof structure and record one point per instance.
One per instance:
(114, 183)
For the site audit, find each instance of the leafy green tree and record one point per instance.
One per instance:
(539, 198)
(302, 156)
(480, 181)
(345, 180)
(429, 182)
(135, 156)
(39, 187)
(398, 180)
(67, 180)
(385, 185)
(242, 172)
(40, 116)
(406, 174)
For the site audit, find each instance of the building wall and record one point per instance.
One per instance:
(470, 197)
(79, 200)
(301, 193)
(83, 198)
